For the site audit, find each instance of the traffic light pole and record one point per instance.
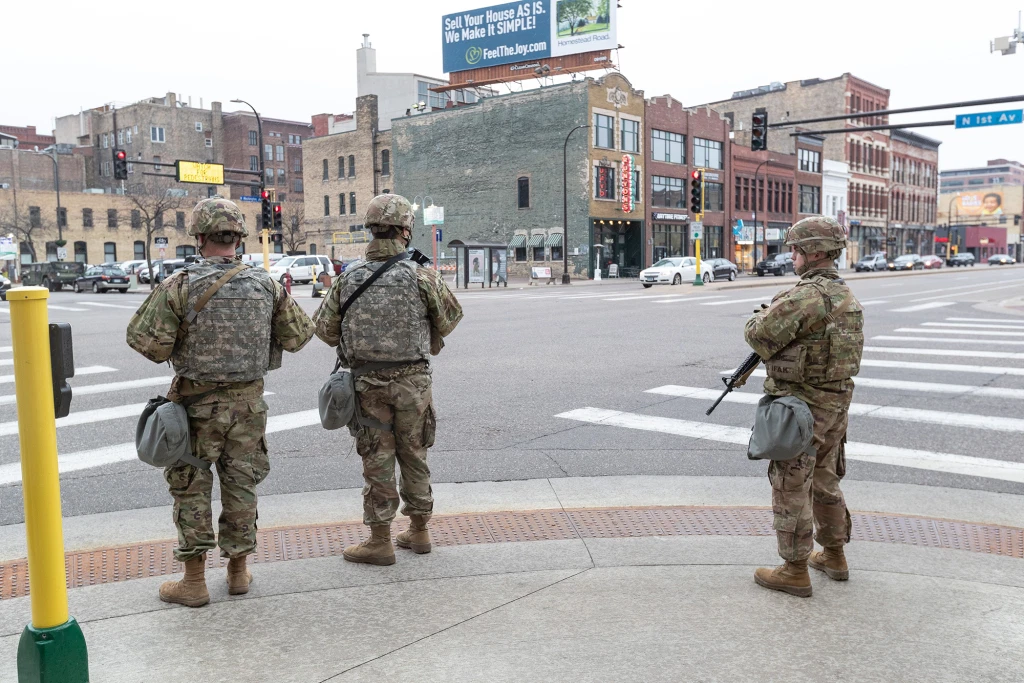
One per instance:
(263, 184)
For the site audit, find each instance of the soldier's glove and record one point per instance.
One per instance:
(758, 310)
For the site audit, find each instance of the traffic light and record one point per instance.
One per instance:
(277, 216)
(120, 165)
(266, 211)
(697, 193)
(759, 130)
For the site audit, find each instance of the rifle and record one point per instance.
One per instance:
(738, 378)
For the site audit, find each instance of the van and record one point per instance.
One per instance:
(52, 274)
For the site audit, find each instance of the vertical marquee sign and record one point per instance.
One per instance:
(627, 183)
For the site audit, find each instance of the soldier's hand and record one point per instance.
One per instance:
(763, 307)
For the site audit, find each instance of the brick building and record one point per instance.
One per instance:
(281, 148)
(26, 137)
(913, 195)
(680, 140)
(995, 172)
(866, 152)
(344, 172)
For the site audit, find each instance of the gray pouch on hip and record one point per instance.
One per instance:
(783, 429)
(162, 436)
(337, 400)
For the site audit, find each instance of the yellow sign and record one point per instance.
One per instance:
(195, 172)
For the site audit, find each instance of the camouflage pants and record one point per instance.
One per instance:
(406, 403)
(231, 436)
(806, 494)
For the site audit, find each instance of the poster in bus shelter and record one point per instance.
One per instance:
(477, 265)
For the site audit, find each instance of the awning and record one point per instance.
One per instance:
(517, 241)
(537, 241)
(554, 240)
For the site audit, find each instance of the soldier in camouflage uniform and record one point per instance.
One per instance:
(812, 339)
(219, 364)
(387, 337)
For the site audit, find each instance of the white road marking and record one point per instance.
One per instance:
(83, 460)
(938, 417)
(630, 297)
(87, 370)
(942, 367)
(951, 340)
(6, 349)
(973, 326)
(926, 387)
(965, 333)
(764, 298)
(105, 388)
(958, 353)
(6, 361)
(944, 289)
(684, 298)
(886, 455)
(97, 303)
(54, 307)
(975, 291)
(988, 320)
(923, 307)
(873, 302)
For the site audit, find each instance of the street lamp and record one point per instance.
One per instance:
(56, 187)
(565, 205)
(263, 181)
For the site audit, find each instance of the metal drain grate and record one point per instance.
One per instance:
(110, 565)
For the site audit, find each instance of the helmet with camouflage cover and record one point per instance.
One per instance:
(217, 215)
(388, 211)
(817, 233)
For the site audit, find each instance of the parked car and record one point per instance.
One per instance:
(965, 259)
(301, 268)
(163, 268)
(722, 269)
(907, 262)
(103, 279)
(257, 258)
(872, 262)
(130, 267)
(5, 284)
(143, 271)
(780, 264)
(1000, 260)
(673, 271)
(52, 274)
(931, 262)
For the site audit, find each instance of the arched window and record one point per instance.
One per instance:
(109, 252)
(352, 202)
(81, 254)
(351, 165)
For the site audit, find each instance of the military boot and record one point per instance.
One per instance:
(832, 561)
(191, 590)
(377, 549)
(791, 577)
(239, 577)
(417, 538)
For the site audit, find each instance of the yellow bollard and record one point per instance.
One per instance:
(52, 648)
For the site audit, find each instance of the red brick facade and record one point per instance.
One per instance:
(913, 196)
(283, 160)
(28, 137)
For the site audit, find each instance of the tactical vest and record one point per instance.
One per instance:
(230, 340)
(388, 322)
(831, 350)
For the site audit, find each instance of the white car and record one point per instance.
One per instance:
(675, 271)
(132, 266)
(257, 258)
(303, 269)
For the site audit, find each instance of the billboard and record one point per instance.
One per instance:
(525, 31)
(991, 204)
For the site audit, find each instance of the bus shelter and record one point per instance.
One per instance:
(485, 263)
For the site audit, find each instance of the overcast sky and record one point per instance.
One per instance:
(298, 58)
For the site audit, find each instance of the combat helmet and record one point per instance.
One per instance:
(217, 215)
(388, 211)
(817, 233)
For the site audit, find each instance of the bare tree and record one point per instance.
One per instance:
(293, 221)
(151, 208)
(26, 228)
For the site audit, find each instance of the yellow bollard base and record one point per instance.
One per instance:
(53, 655)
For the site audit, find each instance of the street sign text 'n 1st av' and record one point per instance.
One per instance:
(992, 118)
(195, 172)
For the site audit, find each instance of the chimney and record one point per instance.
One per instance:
(366, 63)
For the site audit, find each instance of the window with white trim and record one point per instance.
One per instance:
(156, 134)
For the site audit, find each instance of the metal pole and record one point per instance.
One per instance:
(565, 204)
(906, 110)
(757, 197)
(56, 187)
(263, 183)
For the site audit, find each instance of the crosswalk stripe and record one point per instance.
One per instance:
(874, 302)
(950, 340)
(87, 370)
(683, 298)
(886, 455)
(983, 333)
(1009, 355)
(736, 301)
(973, 326)
(105, 388)
(83, 460)
(987, 320)
(939, 417)
(975, 291)
(943, 367)
(923, 307)
(926, 387)
(6, 361)
(630, 297)
(54, 307)
(97, 303)
(6, 349)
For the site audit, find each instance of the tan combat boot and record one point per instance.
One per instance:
(832, 561)
(239, 577)
(191, 590)
(417, 538)
(791, 577)
(377, 549)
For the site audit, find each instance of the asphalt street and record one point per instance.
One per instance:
(588, 380)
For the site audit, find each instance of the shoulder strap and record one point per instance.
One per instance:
(205, 299)
(832, 316)
(369, 281)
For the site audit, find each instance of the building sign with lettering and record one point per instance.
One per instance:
(627, 183)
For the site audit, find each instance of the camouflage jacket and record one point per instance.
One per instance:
(153, 331)
(788, 319)
(443, 308)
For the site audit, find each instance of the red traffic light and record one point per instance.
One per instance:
(121, 155)
(277, 208)
(265, 194)
(759, 119)
(695, 175)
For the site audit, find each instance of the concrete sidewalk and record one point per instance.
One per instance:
(630, 578)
